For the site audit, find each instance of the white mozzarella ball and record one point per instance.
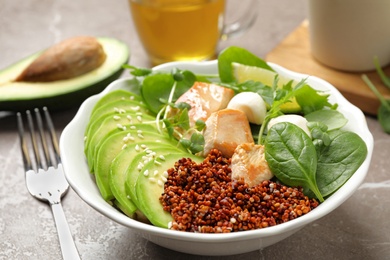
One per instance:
(297, 120)
(252, 104)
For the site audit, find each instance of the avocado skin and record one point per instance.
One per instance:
(60, 102)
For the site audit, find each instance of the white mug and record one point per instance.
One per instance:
(347, 34)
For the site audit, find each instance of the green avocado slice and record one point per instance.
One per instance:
(110, 148)
(61, 94)
(150, 186)
(122, 162)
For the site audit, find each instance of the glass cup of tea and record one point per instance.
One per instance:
(176, 30)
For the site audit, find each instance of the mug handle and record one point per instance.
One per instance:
(243, 23)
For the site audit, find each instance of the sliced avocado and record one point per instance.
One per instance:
(150, 187)
(110, 148)
(136, 167)
(118, 94)
(121, 163)
(116, 107)
(61, 94)
(106, 130)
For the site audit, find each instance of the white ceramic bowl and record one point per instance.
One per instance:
(76, 170)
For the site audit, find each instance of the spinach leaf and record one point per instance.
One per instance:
(338, 161)
(291, 156)
(333, 119)
(240, 55)
(156, 88)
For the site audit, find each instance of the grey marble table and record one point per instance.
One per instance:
(359, 229)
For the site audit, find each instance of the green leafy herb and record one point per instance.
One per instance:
(333, 119)
(338, 161)
(319, 134)
(157, 87)
(291, 156)
(381, 73)
(384, 108)
(311, 100)
(281, 96)
(138, 72)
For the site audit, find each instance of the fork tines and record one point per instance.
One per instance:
(45, 150)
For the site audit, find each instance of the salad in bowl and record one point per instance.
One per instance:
(235, 146)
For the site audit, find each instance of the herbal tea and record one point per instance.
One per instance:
(174, 30)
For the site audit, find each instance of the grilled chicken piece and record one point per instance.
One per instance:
(225, 130)
(204, 99)
(249, 164)
(67, 59)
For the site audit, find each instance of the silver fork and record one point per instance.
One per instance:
(45, 178)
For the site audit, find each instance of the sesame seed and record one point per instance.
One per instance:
(153, 180)
(133, 127)
(136, 108)
(160, 183)
(155, 172)
(157, 162)
(116, 118)
(137, 148)
(124, 146)
(141, 136)
(140, 166)
(146, 172)
(139, 118)
(161, 157)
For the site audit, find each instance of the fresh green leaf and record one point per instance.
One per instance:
(138, 72)
(239, 55)
(156, 87)
(291, 156)
(266, 92)
(319, 134)
(384, 108)
(311, 100)
(384, 117)
(338, 161)
(333, 119)
(200, 125)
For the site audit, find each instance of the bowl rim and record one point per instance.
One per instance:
(107, 210)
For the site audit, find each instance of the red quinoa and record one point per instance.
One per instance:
(203, 198)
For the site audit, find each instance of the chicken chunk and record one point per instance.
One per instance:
(204, 99)
(225, 130)
(249, 164)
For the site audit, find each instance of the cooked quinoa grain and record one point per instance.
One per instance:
(203, 198)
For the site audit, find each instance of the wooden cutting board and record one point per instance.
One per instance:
(294, 53)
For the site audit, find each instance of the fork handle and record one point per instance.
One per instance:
(68, 247)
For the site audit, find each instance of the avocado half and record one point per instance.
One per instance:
(61, 94)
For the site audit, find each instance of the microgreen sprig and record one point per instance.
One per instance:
(384, 108)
